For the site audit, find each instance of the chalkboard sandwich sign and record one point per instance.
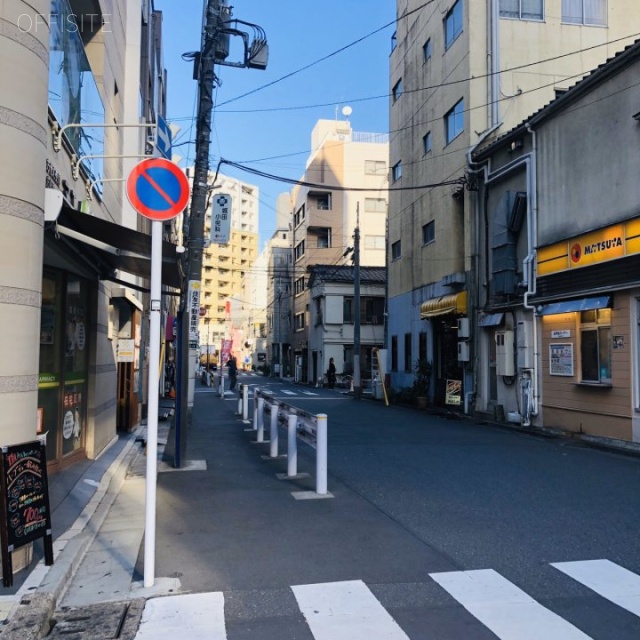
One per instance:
(24, 502)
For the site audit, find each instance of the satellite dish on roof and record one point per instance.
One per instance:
(347, 111)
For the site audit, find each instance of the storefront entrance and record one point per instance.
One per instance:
(445, 349)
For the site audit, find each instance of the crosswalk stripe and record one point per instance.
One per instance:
(289, 393)
(197, 616)
(606, 578)
(309, 393)
(344, 611)
(504, 608)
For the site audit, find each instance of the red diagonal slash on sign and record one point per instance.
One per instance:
(168, 183)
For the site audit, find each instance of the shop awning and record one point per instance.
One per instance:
(116, 247)
(453, 303)
(569, 306)
(490, 319)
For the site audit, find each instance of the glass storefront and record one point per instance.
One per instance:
(62, 389)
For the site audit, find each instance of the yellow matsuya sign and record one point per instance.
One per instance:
(609, 243)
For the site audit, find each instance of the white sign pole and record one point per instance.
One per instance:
(152, 414)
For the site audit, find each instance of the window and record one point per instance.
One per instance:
(454, 121)
(298, 286)
(453, 24)
(428, 232)
(323, 201)
(323, 238)
(407, 353)
(299, 250)
(394, 353)
(375, 167)
(396, 250)
(426, 143)
(426, 51)
(318, 311)
(347, 310)
(396, 171)
(299, 321)
(371, 310)
(397, 90)
(587, 12)
(595, 345)
(422, 346)
(374, 242)
(522, 9)
(375, 205)
(299, 216)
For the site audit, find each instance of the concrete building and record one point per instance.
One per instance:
(461, 71)
(226, 266)
(560, 195)
(69, 304)
(344, 185)
(332, 319)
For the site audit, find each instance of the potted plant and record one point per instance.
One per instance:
(422, 369)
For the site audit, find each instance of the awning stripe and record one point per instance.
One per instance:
(570, 306)
(452, 303)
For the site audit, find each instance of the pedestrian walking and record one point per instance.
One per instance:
(331, 374)
(233, 372)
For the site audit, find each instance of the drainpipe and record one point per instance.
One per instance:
(530, 260)
(493, 53)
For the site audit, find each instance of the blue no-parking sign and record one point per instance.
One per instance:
(158, 189)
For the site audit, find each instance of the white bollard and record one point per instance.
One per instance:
(255, 409)
(273, 435)
(321, 454)
(245, 402)
(221, 387)
(239, 411)
(260, 437)
(292, 446)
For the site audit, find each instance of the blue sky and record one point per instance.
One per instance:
(299, 33)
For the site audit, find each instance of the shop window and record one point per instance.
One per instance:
(595, 345)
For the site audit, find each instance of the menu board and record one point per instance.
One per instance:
(24, 500)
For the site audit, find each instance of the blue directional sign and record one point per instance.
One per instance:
(163, 138)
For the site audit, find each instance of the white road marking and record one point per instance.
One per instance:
(309, 393)
(344, 611)
(197, 616)
(504, 608)
(606, 578)
(289, 393)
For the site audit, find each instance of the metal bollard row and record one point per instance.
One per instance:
(310, 428)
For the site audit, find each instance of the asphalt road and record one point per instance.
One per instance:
(442, 520)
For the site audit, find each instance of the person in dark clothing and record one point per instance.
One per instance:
(331, 374)
(233, 372)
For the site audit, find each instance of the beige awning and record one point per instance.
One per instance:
(453, 303)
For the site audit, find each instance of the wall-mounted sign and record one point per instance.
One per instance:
(454, 392)
(563, 333)
(125, 350)
(618, 342)
(221, 218)
(561, 359)
(608, 243)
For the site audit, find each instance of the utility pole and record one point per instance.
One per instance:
(357, 377)
(217, 31)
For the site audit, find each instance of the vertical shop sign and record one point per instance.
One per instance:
(221, 218)
(193, 302)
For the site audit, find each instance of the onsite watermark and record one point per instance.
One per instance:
(73, 23)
